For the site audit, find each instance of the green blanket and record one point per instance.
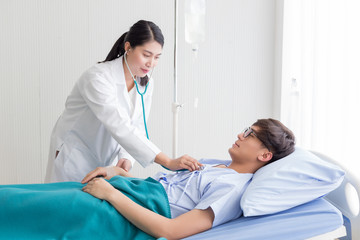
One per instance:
(64, 211)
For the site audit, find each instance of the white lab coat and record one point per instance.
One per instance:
(98, 126)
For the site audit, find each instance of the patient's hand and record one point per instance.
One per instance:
(106, 172)
(99, 188)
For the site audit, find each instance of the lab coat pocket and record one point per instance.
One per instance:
(76, 161)
(57, 151)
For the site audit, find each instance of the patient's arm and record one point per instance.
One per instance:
(187, 224)
(106, 172)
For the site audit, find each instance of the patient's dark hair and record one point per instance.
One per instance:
(275, 136)
(140, 33)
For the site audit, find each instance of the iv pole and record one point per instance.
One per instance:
(175, 105)
(199, 6)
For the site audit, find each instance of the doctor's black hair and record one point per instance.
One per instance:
(140, 33)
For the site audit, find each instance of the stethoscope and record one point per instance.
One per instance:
(141, 94)
(142, 101)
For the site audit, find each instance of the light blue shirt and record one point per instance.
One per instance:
(218, 188)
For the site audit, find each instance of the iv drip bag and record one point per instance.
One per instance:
(195, 23)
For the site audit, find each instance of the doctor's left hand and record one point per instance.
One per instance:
(100, 188)
(184, 162)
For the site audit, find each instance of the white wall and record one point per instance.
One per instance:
(46, 45)
(232, 76)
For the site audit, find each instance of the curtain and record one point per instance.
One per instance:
(321, 76)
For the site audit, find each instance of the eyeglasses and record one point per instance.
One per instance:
(247, 131)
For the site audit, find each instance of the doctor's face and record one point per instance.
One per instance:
(142, 59)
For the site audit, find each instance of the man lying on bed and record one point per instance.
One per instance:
(198, 200)
(201, 199)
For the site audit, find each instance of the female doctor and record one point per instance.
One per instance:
(103, 122)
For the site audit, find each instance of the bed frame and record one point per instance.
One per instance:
(347, 199)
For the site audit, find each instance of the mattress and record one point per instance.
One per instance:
(305, 221)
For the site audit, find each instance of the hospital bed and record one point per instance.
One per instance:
(333, 216)
(302, 196)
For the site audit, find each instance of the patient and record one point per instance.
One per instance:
(198, 200)
(206, 198)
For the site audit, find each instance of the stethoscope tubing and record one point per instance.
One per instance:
(141, 94)
(142, 102)
(143, 108)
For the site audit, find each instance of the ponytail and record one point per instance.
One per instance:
(117, 50)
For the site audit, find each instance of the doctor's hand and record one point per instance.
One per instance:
(106, 172)
(184, 162)
(99, 188)
(124, 163)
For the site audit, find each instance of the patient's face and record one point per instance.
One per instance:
(246, 149)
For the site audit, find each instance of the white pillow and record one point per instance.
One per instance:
(288, 182)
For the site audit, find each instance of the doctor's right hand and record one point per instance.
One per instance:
(106, 172)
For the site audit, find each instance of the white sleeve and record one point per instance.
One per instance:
(100, 95)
